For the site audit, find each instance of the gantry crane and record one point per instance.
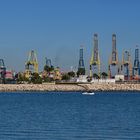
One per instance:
(126, 66)
(113, 60)
(48, 62)
(31, 66)
(81, 66)
(95, 59)
(2, 71)
(136, 67)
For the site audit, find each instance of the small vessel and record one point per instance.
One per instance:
(88, 93)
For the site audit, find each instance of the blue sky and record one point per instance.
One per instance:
(56, 29)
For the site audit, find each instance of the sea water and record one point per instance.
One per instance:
(70, 116)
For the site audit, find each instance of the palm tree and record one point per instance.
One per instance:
(104, 75)
(81, 71)
(96, 76)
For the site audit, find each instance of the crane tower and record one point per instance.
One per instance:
(48, 62)
(95, 59)
(81, 66)
(2, 71)
(31, 66)
(136, 67)
(113, 61)
(126, 66)
(81, 59)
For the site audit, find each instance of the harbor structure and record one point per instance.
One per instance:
(31, 66)
(136, 66)
(126, 66)
(2, 71)
(57, 74)
(113, 60)
(48, 62)
(81, 65)
(123, 69)
(95, 58)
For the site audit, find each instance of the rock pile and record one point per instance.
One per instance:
(39, 87)
(112, 87)
(70, 87)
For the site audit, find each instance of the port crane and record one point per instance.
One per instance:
(31, 66)
(113, 60)
(95, 59)
(2, 71)
(126, 67)
(136, 66)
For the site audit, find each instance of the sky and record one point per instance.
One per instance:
(56, 29)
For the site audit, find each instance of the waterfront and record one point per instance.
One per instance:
(70, 116)
(69, 87)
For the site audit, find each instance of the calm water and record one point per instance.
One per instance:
(69, 116)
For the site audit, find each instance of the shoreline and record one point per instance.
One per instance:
(68, 87)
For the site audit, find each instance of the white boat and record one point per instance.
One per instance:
(88, 93)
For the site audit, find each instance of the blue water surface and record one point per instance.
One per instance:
(70, 116)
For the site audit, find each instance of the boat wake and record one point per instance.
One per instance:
(88, 93)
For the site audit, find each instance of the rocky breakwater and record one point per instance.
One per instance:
(40, 87)
(111, 87)
(70, 87)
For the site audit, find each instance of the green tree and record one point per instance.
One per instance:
(21, 78)
(65, 77)
(89, 79)
(81, 71)
(48, 79)
(48, 69)
(96, 76)
(71, 74)
(36, 79)
(104, 75)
